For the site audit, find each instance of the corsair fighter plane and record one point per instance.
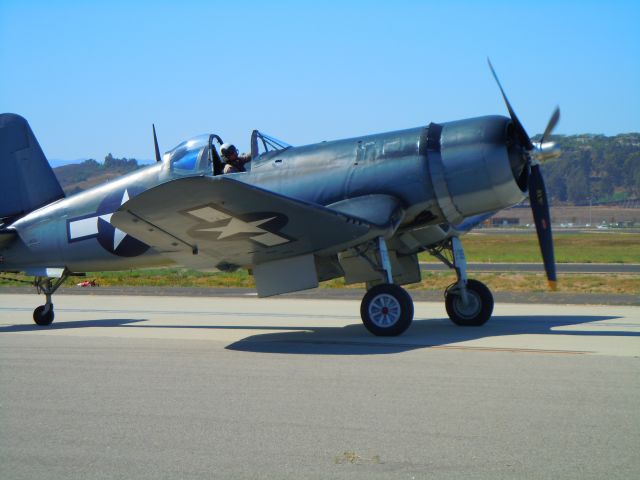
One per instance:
(361, 208)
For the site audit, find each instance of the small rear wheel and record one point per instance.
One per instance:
(387, 310)
(42, 317)
(476, 311)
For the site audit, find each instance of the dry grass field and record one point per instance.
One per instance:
(596, 247)
(601, 247)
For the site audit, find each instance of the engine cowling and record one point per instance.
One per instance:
(476, 166)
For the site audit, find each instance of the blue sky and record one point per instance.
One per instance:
(91, 77)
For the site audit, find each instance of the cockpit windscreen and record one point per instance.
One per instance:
(190, 155)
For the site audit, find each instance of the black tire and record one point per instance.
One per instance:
(387, 310)
(41, 318)
(479, 309)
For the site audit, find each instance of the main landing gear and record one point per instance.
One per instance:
(469, 303)
(387, 309)
(44, 315)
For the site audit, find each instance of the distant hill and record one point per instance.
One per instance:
(602, 169)
(594, 167)
(57, 162)
(77, 177)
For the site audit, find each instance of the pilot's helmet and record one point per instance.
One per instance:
(227, 149)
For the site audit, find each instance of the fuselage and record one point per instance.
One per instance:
(442, 173)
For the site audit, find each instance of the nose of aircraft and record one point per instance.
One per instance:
(518, 159)
(525, 159)
(480, 162)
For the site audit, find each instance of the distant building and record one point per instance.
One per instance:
(504, 221)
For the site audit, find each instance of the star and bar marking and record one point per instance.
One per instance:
(236, 226)
(87, 227)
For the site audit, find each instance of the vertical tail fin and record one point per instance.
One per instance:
(27, 181)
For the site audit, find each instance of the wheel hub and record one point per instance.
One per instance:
(471, 308)
(384, 310)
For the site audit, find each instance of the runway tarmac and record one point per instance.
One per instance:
(183, 387)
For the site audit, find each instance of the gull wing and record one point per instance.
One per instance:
(207, 222)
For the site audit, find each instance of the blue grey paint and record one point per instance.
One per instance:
(22, 161)
(436, 174)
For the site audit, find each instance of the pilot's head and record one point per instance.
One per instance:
(229, 152)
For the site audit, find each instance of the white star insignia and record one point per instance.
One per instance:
(236, 226)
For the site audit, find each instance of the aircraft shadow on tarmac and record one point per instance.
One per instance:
(355, 340)
(427, 333)
(105, 322)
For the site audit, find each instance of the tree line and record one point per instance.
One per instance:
(594, 168)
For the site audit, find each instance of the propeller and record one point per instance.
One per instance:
(553, 121)
(155, 144)
(525, 141)
(535, 155)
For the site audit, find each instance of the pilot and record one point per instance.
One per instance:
(233, 162)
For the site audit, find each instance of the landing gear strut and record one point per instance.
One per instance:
(386, 309)
(469, 303)
(44, 315)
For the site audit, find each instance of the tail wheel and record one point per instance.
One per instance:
(476, 311)
(387, 310)
(41, 317)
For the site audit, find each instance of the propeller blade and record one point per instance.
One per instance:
(522, 133)
(155, 144)
(553, 121)
(542, 219)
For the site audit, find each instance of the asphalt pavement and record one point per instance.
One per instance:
(239, 387)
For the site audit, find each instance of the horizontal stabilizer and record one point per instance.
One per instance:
(236, 223)
(27, 181)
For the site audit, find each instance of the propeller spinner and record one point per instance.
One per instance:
(535, 155)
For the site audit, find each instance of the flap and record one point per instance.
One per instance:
(234, 223)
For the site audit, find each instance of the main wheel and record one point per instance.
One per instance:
(42, 318)
(478, 308)
(387, 310)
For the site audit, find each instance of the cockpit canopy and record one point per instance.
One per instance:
(190, 156)
(262, 143)
(198, 155)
